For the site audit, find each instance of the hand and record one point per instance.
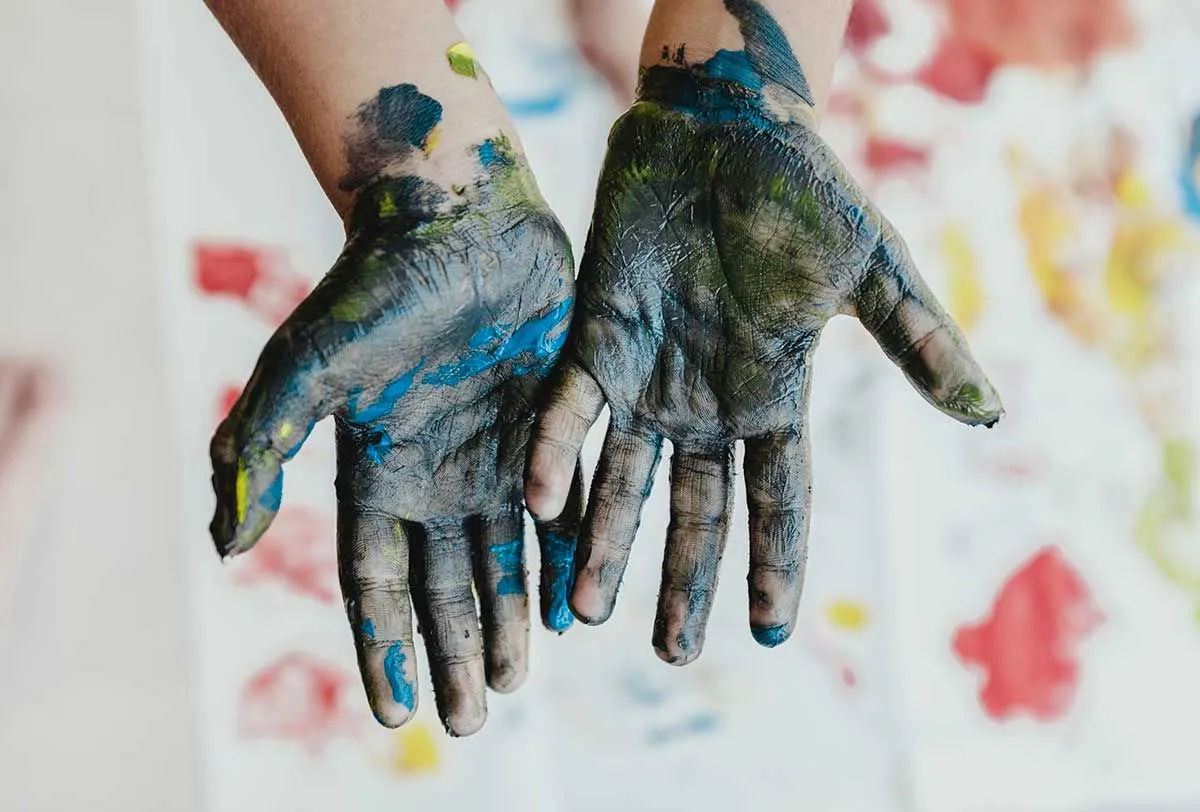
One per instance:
(426, 341)
(726, 234)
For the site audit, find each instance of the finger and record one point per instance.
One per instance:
(897, 307)
(499, 544)
(266, 427)
(624, 476)
(557, 539)
(701, 497)
(441, 584)
(373, 556)
(779, 496)
(573, 402)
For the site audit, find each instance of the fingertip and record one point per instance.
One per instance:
(545, 498)
(771, 636)
(507, 677)
(975, 403)
(465, 720)
(391, 714)
(588, 604)
(682, 653)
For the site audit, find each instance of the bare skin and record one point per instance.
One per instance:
(726, 234)
(426, 342)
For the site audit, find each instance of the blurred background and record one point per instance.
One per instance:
(996, 621)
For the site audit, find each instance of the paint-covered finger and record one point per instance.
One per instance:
(499, 544)
(898, 308)
(441, 585)
(701, 499)
(557, 539)
(779, 497)
(572, 403)
(266, 427)
(624, 476)
(373, 557)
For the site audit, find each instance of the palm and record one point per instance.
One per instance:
(726, 234)
(427, 342)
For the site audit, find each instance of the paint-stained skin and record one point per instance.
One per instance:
(427, 342)
(726, 234)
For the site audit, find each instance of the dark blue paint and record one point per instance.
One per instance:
(510, 560)
(734, 66)
(558, 554)
(489, 156)
(387, 399)
(368, 628)
(768, 49)
(771, 636)
(272, 497)
(393, 666)
(406, 115)
(487, 348)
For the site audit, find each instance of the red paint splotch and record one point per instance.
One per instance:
(298, 698)
(867, 25)
(1026, 646)
(297, 552)
(258, 278)
(959, 69)
(226, 400)
(884, 155)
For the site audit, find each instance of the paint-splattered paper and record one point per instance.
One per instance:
(1000, 620)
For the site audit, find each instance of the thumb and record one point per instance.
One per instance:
(266, 427)
(896, 305)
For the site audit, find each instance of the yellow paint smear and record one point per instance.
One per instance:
(242, 492)
(285, 430)
(415, 751)
(848, 615)
(966, 290)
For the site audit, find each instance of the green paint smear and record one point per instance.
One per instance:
(1169, 508)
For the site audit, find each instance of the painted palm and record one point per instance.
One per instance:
(427, 342)
(726, 234)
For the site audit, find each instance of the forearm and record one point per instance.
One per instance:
(692, 31)
(324, 60)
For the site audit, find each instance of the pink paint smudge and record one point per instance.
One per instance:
(297, 553)
(298, 698)
(1026, 645)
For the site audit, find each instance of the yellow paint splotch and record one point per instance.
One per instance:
(848, 615)
(415, 750)
(967, 299)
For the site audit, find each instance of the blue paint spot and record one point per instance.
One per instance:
(509, 557)
(1187, 175)
(771, 636)
(734, 66)
(487, 348)
(393, 666)
(272, 497)
(559, 554)
(387, 399)
(699, 724)
(488, 156)
(536, 106)
(368, 628)
(378, 446)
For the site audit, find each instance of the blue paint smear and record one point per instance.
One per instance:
(559, 554)
(295, 449)
(488, 348)
(488, 156)
(393, 666)
(379, 446)
(272, 497)
(368, 628)
(387, 398)
(771, 636)
(555, 101)
(734, 66)
(698, 724)
(1187, 175)
(509, 557)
